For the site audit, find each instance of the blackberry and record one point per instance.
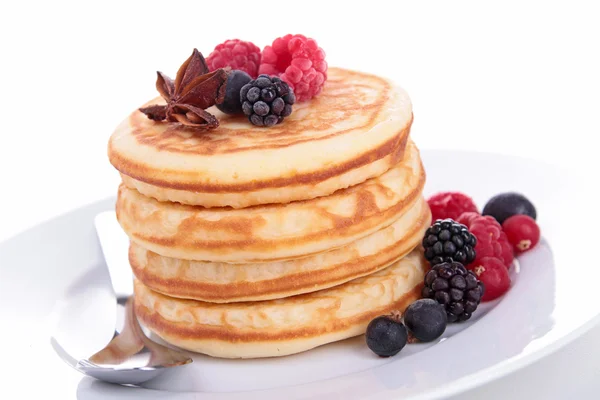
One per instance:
(446, 241)
(457, 289)
(267, 100)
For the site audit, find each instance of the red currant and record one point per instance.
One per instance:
(522, 232)
(494, 276)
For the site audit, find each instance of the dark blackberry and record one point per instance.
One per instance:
(457, 289)
(267, 100)
(446, 241)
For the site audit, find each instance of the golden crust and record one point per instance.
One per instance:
(272, 232)
(354, 130)
(285, 326)
(224, 283)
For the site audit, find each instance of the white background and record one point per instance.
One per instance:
(510, 77)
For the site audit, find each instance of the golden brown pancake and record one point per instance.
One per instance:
(223, 283)
(281, 327)
(272, 232)
(354, 130)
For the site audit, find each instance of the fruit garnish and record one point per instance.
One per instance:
(457, 289)
(450, 205)
(236, 54)
(267, 100)
(297, 60)
(194, 90)
(505, 205)
(386, 335)
(447, 241)
(231, 102)
(426, 319)
(491, 240)
(494, 275)
(522, 232)
(467, 217)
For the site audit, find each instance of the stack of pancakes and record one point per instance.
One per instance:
(257, 242)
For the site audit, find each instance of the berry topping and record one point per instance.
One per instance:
(231, 104)
(236, 54)
(457, 289)
(506, 205)
(522, 232)
(266, 100)
(494, 275)
(467, 217)
(386, 335)
(299, 61)
(446, 241)
(450, 205)
(491, 240)
(426, 319)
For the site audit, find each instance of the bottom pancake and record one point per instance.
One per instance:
(224, 283)
(285, 326)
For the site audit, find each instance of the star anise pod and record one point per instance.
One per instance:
(195, 89)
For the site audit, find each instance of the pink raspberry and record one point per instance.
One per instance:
(297, 60)
(491, 240)
(236, 54)
(467, 217)
(450, 205)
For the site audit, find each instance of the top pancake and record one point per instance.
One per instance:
(354, 130)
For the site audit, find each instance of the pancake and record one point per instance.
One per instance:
(272, 232)
(285, 326)
(354, 130)
(223, 283)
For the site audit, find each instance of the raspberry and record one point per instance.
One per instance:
(522, 232)
(299, 61)
(491, 240)
(467, 217)
(494, 276)
(236, 54)
(450, 205)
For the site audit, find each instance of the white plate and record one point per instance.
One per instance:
(552, 300)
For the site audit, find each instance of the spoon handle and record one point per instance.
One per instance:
(129, 342)
(115, 247)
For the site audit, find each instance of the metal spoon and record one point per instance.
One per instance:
(130, 357)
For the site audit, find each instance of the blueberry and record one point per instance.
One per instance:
(385, 336)
(506, 205)
(236, 80)
(426, 319)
